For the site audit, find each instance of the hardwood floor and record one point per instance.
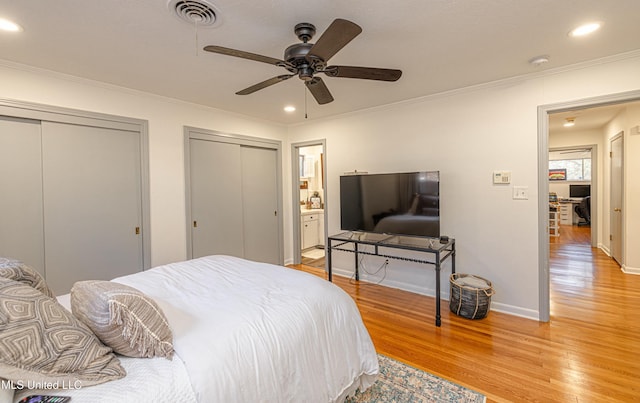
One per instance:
(588, 352)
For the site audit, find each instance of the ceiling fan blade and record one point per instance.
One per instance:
(319, 90)
(264, 84)
(245, 55)
(366, 73)
(339, 33)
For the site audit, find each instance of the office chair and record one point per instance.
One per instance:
(583, 210)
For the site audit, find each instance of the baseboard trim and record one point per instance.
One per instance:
(444, 295)
(605, 249)
(515, 311)
(630, 270)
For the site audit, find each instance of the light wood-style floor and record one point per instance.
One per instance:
(588, 352)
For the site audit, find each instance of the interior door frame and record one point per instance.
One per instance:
(42, 112)
(295, 193)
(239, 139)
(544, 295)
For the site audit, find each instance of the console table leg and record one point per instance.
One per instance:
(453, 257)
(438, 293)
(329, 262)
(356, 262)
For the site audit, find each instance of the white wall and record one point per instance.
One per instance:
(466, 135)
(166, 145)
(632, 191)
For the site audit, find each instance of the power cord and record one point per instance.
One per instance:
(363, 266)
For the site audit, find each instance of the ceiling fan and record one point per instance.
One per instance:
(307, 59)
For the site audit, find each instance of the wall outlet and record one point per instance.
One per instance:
(521, 193)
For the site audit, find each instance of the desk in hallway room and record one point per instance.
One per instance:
(568, 214)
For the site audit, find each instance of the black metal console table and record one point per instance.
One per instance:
(384, 245)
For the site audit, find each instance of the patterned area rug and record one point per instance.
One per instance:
(400, 383)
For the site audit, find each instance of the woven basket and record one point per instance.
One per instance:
(470, 296)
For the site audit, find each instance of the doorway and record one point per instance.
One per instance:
(577, 188)
(545, 116)
(309, 208)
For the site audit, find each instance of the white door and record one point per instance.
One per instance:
(92, 203)
(21, 221)
(216, 198)
(260, 204)
(616, 198)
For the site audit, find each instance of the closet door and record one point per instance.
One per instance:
(260, 204)
(216, 198)
(21, 220)
(92, 203)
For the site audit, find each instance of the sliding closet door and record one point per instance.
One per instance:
(216, 198)
(21, 222)
(92, 203)
(260, 204)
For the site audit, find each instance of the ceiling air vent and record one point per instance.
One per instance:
(196, 12)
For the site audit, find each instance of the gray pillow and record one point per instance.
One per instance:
(124, 318)
(40, 341)
(18, 271)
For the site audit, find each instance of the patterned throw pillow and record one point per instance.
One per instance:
(40, 341)
(124, 318)
(18, 271)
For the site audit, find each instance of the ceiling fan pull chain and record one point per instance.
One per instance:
(305, 100)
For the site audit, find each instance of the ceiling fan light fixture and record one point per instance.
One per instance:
(569, 122)
(289, 108)
(585, 29)
(195, 12)
(306, 59)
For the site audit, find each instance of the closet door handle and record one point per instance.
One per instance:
(195, 224)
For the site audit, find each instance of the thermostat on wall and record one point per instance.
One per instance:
(501, 177)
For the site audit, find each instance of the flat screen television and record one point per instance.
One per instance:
(578, 191)
(391, 203)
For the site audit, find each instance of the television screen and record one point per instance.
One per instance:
(579, 190)
(394, 203)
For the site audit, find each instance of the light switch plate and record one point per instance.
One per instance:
(521, 193)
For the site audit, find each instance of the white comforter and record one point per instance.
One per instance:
(255, 332)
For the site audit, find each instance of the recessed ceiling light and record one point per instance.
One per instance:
(585, 29)
(10, 26)
(570, 122)
(289, 108)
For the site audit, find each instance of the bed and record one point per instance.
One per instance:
(242, 332)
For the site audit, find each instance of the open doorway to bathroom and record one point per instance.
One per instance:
(309, 212)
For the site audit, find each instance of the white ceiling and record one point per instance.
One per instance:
(586, 119)
(438, 44)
